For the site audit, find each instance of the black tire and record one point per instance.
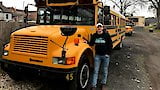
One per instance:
(119, 46)
(15, 76)
(130, 34)
(82, 77)
(12, 74)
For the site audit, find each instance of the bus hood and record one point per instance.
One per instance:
(51, 31)
(39, 30)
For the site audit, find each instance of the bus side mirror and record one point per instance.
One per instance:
(106, 10)
(68, 31)
(26, 10)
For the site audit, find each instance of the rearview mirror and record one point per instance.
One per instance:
(68, 31)
(106, 10)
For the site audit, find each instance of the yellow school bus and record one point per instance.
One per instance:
(56, 47)
(129, 27)
(115, 25)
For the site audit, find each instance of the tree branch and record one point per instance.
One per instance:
(154, 4)
(116, 4)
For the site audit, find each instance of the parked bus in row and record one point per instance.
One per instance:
(56, 47)
(129, 27)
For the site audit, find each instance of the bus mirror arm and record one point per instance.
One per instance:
(66, 31)
(26, 12)
(64, 50)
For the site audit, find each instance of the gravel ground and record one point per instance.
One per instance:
(127, 67)
(135, 67)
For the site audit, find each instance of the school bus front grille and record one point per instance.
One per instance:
(30, 44)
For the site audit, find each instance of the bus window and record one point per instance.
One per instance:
(118, 21)
(100, 15)
(107, 19)
(113, 20)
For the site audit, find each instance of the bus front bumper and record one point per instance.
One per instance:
(47, 72)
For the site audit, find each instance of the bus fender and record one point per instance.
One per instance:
(79, 51)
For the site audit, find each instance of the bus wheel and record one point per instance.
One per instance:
(130, 34)
(15, 76)
(119, 46)
(84, 76)
(81, 80)
(12, 74)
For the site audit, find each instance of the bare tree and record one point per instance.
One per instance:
(154, 5)
(123, 5)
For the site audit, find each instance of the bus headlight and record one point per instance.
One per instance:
(57, 60)
(5, 53)
(67, 61)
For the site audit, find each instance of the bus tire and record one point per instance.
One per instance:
(82, 77)
(12, 74)
(16, 76)
(130, 34)
(119, 46)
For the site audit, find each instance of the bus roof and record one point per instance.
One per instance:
(113, 11)
(63, 2)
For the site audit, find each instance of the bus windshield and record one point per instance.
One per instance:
(67, 15)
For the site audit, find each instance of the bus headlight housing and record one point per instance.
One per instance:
(67, 61)
(57, 60)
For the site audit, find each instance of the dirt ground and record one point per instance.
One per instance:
(135, 67)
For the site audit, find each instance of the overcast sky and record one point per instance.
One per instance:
(140, 11)
(19, 4)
